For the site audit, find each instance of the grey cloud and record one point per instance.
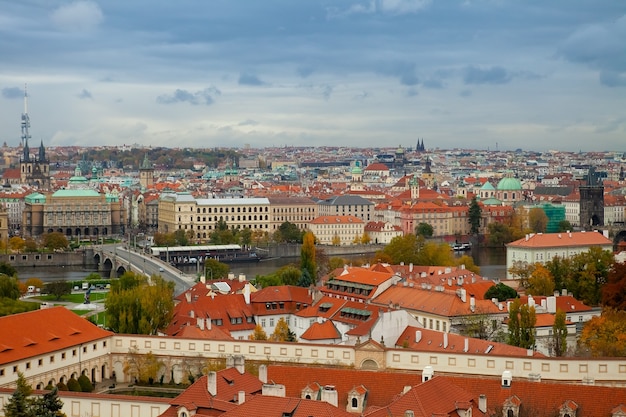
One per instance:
(465, 93)
(12, 92)
(84, 95)
(433, 83)
(249, 79)
(304, 72)
(77, 16)
(404, 71)
(493, 75)
(412, 92)
(205, 97)
(388, 7)
(612, 79)
(362, 96)
(248, 122)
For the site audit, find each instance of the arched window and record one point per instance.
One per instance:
(355, 403)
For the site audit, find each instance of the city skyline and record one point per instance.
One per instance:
(462, 74)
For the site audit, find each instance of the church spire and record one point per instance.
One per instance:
(25, 121)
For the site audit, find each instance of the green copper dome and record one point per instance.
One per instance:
(509, 184)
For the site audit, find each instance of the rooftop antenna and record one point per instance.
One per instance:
(25, 120)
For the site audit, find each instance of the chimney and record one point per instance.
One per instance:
(241, 398)
(242, 277)
(246, 293)
(411, 267)
(466, 347)
(463, 295)
(188, 296)
(203, 279)
(445, 340)
(472, 303)
(230, 361)
(507, 378)
(418, 336)
(211, 379)
(208, 323)
(200, 323)
(482, 403)
(231, 276)
(263, 373)
(449, 282)
(409, 413)
(427, 373)
(240, 364)
(329, 394)
(192, 314)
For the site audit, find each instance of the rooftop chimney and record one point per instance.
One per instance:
(263, 373)
(427, 373)
(200, 323)
(418, 336)
(241, 398)
(240, 364)
(466, 348)
(329, 394)
(445, 340)
(211, 379)
(482, 403)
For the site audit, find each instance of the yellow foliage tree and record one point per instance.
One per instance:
(605, 335)
(258, 333)
(540, 281)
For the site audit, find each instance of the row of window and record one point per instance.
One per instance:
(52, 358)
(232, 210)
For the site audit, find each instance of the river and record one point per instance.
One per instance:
(492, 264)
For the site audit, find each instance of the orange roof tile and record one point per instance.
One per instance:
(551, 240)
(42, 331)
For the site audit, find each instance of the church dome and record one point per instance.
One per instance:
(509, 184)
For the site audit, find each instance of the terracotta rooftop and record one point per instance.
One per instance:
(38, 332)
(551, 240)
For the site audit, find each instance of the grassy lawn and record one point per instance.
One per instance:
(99, 317)
(81, 312)
(74, 298)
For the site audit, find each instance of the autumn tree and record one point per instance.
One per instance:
(540, 281)
(521, 325)
(282, 333)
(30, 245)
(561, 270)
(474, 216)
(307, 256)
(605, 335)
(215, 269)
(17, 244)
(258, 333)
(144, 367)
(55, 241)
(403, 249)
(34, 282)
(468, 263)
(614, 291)
(499, 234)
(164, 239)
(481, 325)
(431, 253)
(424, 230)
(134, 306)
(559, 334)
(537, 220)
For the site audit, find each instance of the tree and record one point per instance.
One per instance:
(289, 233)
(181, 238)
(55, 241)
(19, 404)
(614, 291)
(500, 291)
(305, 279)
(468, 262)
(424, 230)
(588, 273)
(282, 333)
(17, 244)
(559, 333)
(215, 269)
(289, 275)
(245, 236)
(564, 226)
(481, 325)
(164, 239)
(605, 335)
(49, 404)
(137, 307)
(403, 249)
(7, 269)
(30, 245)
(73, 385)
(58, 288)
(537, 220)
(521, 325)
(499, 234)
(85, 383)
(474, 216)
(9, 287)
(93, 276)
(307, 256)
(431, 253)
(540, 281)
(258, 333)
(143, 367)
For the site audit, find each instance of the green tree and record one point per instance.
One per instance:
(431, 253)
(481, 325)
(222, 234)
(140, 308)
(564, 226)
(537, 220)
(181, 238)
(499, 234)
(9, 287)
(468, 262)
(49, 404)
(215, 269)
(289, 275)
(19, 404)
(559, 333)
(258, 333)
(307, 256)
(403, 249)
(521, 325)
(30, 245)
(282, 332)
(55, 241)
(85, 383)
(424, 230)
(474, 216)
(560, 269)
(73, 385)
(58, 288)
(7, 269)
(500, 291)
(589, 272)
(245, 236)
(288, 232)
(305, 279)
(164, 239)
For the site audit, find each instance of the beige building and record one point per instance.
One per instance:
(297, 210)
(337, 230)
(182, 211)
(79, 213)
(542, 247)
(347, 205)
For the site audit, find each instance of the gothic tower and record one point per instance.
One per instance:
(592, 202)
(146, 174)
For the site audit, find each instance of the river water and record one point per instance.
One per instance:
(492, 264)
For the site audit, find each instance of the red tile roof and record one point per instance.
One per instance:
(47, 330)
(552, 240)
(268, 406)
(321, 331)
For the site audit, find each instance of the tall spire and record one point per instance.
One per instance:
(25, 120)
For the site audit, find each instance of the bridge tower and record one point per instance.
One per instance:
(592, 202)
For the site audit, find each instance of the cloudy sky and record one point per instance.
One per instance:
(497, 74)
